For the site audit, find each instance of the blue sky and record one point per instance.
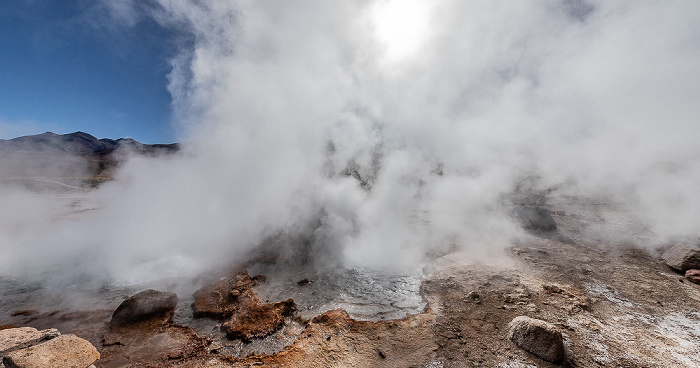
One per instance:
(66, 66)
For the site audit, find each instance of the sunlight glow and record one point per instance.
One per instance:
(402, 26)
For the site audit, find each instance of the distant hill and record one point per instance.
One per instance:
(81, 143)
(74, 156)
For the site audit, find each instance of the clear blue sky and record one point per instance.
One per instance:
(65, 67)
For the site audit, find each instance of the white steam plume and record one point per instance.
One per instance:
(302, 123)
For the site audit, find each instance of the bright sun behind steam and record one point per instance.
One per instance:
(401, 26)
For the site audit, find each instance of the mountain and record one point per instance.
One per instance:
(81, 143)
(75, 156)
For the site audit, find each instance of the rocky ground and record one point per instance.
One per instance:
(616, 305)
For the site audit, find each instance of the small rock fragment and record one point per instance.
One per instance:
(682, 257)
(145, 305)
(538, 337)
(65, 351)
(693, 276)
(19, 338)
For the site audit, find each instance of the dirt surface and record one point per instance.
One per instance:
(618, 305)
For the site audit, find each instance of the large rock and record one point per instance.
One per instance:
(258, 321)
(538, 337)
(145, 305)
(227, 297)
(12, 339)
(682, 257)
(535, 219)
(65, 351)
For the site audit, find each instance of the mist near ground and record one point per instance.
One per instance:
(379, 134)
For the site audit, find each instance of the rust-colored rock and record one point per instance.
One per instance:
(226, 297)
(693, 276)
(234, 299)
(258, 321)
(65, 351)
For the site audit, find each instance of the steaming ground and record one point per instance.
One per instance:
(318, 136)
(618, 305)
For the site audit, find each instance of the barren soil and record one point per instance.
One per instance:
(617, 304)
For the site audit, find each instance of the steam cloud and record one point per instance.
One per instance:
(302, 134)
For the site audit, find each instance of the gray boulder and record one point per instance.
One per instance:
(145, 305)
(538, 337)
(682, 257)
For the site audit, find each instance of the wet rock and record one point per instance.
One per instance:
(142, 344)
(145, 305)
(538, 337)
(258, 321)
(65, 351)
(226, 297)
(682, 257)
(19, 338)
(693, 276)
(536, 219)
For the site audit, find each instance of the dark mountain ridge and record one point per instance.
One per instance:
(81, 143)
(74, 157)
